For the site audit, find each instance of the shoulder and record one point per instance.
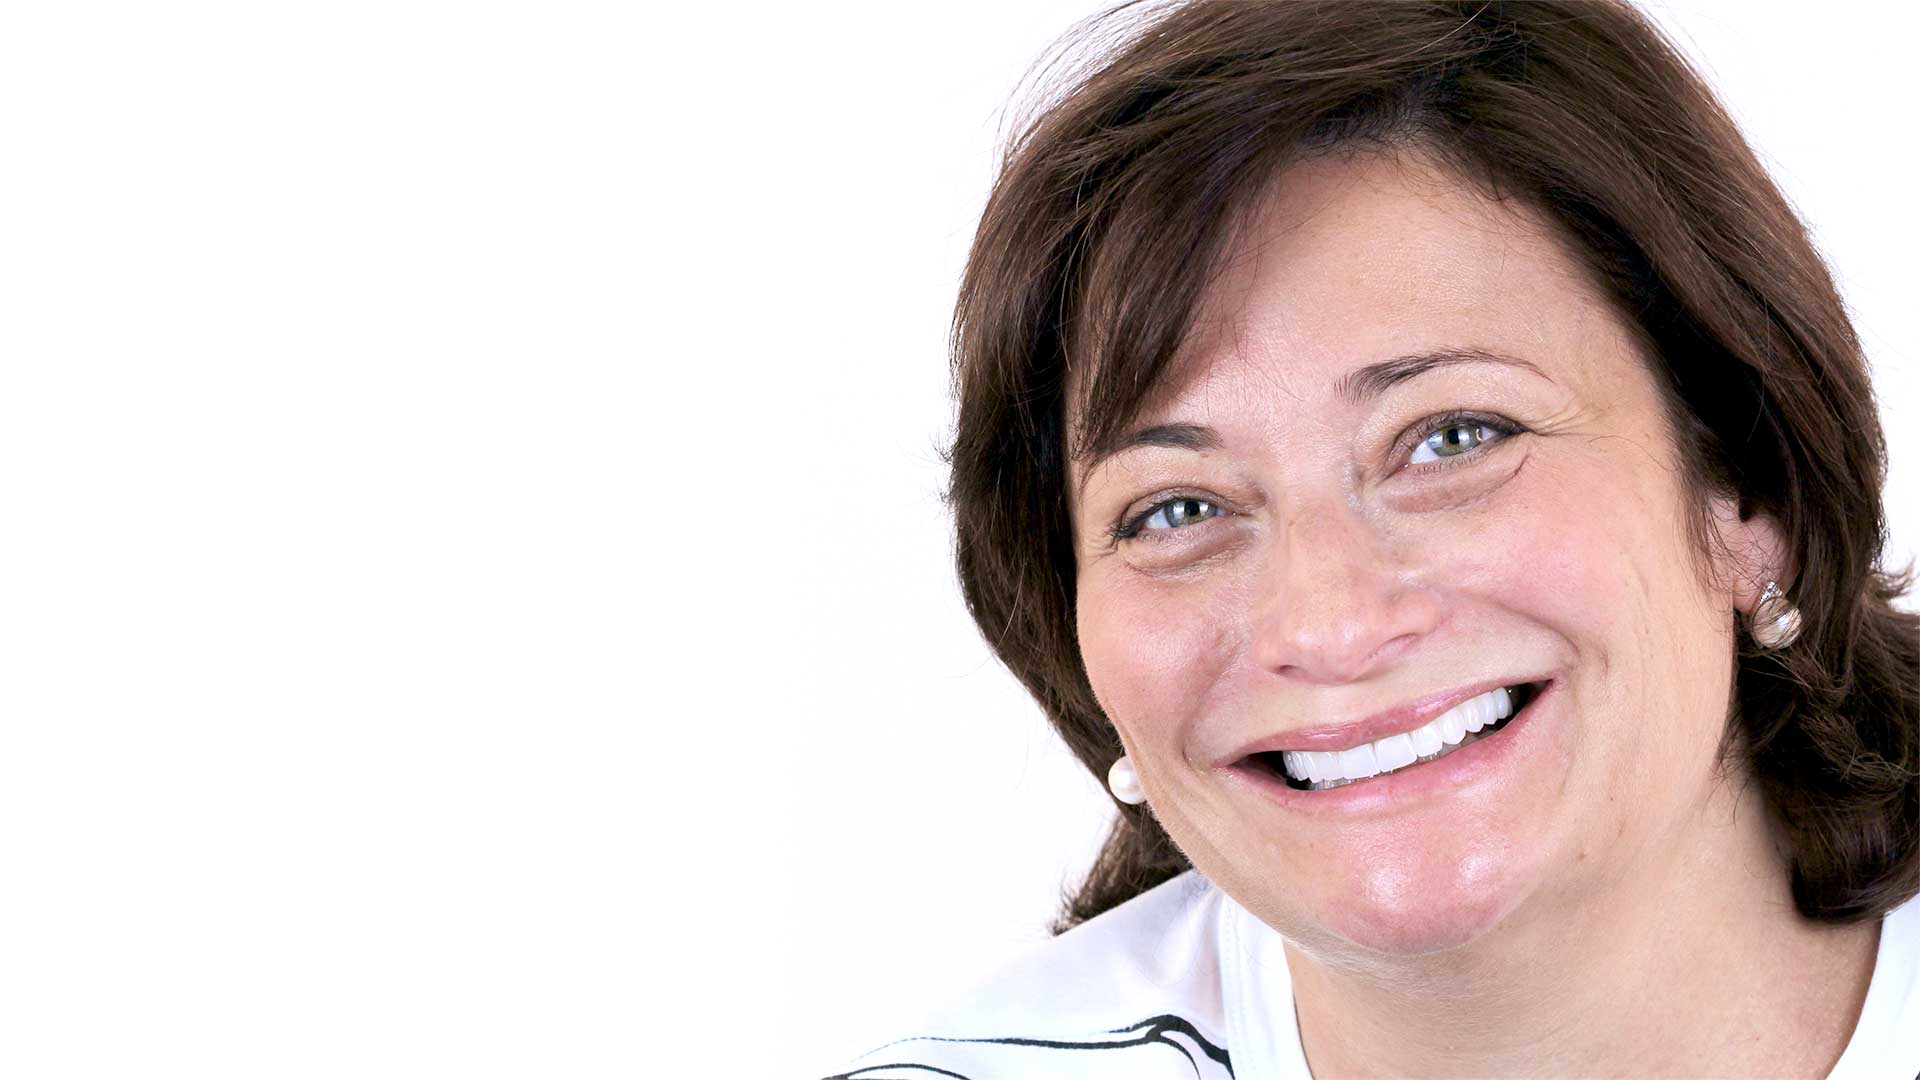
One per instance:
(1133, 993)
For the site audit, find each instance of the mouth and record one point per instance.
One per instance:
(1466, 723)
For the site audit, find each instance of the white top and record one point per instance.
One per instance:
(1181, 983)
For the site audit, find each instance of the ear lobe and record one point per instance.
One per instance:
(1755, 548)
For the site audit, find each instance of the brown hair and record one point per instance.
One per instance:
(1114, 205)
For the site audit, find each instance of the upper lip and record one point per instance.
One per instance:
(1390, 721)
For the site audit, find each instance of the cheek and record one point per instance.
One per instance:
(1152, 653)
(1586, 553)
(1595, 559)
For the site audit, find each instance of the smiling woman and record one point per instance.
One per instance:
(1416, 458)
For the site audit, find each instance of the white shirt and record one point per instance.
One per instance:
(1181, 983)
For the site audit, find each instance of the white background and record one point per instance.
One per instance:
(474, 596)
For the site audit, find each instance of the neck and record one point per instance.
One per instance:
(1696, 962)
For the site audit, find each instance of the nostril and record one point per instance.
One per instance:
(1342, 636)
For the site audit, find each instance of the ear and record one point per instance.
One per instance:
(1752, 550)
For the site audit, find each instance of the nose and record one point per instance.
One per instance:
(1335, 605)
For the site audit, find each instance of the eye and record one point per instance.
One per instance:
(1166, 516)
(1454, 437)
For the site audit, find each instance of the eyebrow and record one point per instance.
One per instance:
(1355, 388)
(1369, 382)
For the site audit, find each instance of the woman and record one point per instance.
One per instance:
(1415, 455)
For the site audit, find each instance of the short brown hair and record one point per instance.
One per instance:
(1115, 204)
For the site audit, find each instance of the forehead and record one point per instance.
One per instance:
(1351, 259)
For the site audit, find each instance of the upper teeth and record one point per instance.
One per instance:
(1428, 741)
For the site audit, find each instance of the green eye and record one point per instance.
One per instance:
(1452, 441)
(1178, 512)
(1166, 516)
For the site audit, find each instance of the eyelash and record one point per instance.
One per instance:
(1441, 422)
(1130, 528)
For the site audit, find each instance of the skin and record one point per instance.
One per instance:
(1611, 901)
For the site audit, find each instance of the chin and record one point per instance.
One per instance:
(1423, 901)
(1392, 928)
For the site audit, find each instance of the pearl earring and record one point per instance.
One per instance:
(1775, 622)
(1125, 783)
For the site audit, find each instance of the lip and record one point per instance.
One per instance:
(1394, 721)
(1480, 761)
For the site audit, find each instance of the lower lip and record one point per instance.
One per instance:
(1469, 764)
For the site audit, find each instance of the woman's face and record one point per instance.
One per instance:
(1413, 456)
